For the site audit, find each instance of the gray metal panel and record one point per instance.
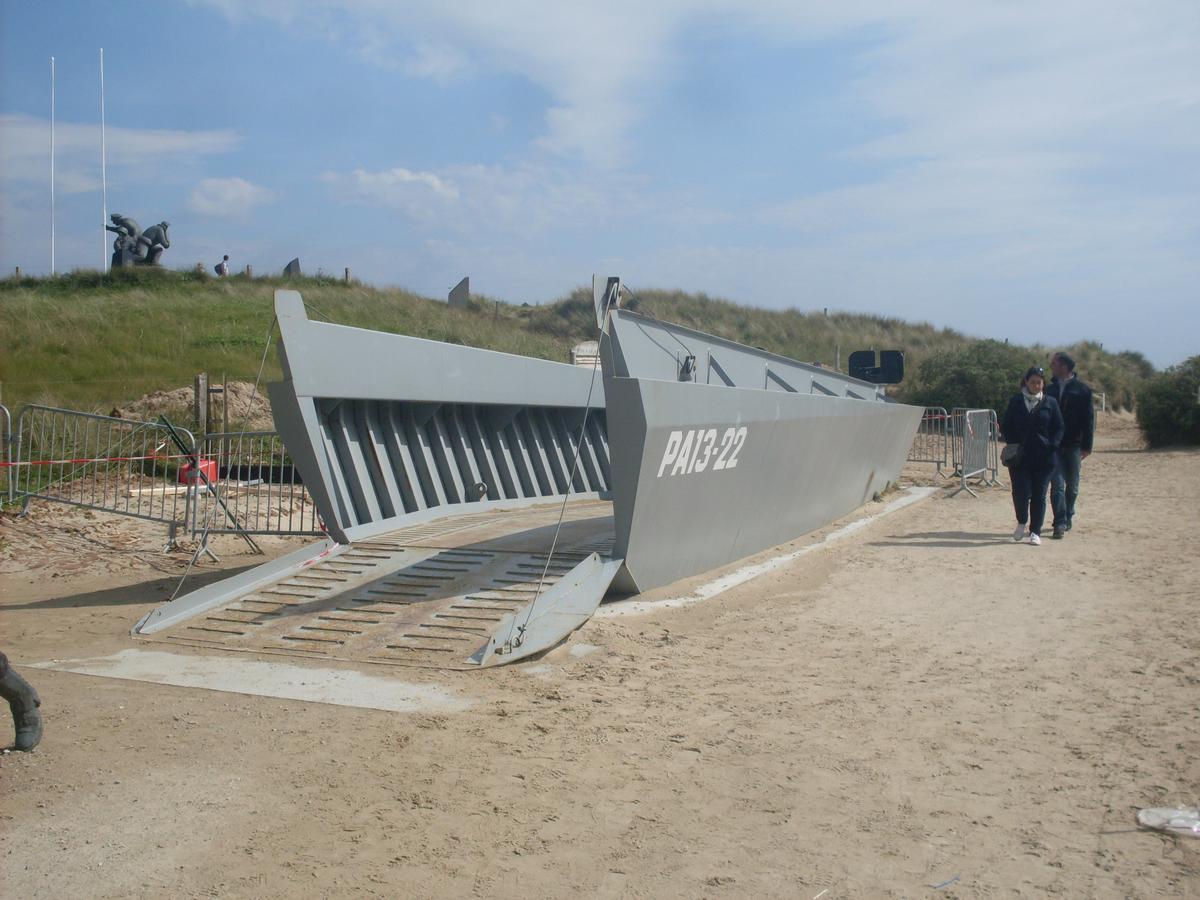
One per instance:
(424, 464)
(535, 453)
(403, 466)
(463, 455)
(555, 614)
(416, 425)
(477, 437)
(803, 461)
(375, 438)
(647, 348)
(598, 431)
(327, 360)
(580, 442)
(493, 429)
(299, 428)
(343, 436)
(560, 466)
(442, 447)
(215, 594)
(523, 464)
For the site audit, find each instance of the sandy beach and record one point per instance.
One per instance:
(922, 708)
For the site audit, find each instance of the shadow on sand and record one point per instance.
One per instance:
(156, 590)
(944, 539)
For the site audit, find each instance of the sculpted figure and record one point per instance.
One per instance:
(134, 246)
(152, 242)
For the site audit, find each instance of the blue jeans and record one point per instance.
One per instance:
(1029, 495)
(1064, 486)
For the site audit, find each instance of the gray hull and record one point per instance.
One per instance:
(791, 463)
(442, 474)
(721, 450)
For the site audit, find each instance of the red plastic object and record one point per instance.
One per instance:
(189, 474)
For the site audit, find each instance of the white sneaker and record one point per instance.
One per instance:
(1018, 533)
(1035, 540)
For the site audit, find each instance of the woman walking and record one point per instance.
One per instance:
(1033, 429)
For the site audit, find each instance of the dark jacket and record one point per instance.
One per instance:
(1039, 432)
(1079, 414)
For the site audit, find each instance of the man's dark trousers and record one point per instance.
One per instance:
(1064, 486)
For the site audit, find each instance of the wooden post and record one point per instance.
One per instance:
(17, 273)
(201, 401)
(249, 272)
(347, 274)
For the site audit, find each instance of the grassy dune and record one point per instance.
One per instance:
(90, 341)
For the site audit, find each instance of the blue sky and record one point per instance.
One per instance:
(1014, 170)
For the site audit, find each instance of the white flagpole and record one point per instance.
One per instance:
(53, 271)
(103, 176)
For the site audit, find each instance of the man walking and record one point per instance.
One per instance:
(1075, 400)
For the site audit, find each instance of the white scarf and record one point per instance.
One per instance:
(1031, 400)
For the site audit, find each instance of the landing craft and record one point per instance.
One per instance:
(479, 505)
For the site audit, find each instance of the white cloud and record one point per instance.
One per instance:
(25, 149)
(420, 195)
(945, 78)
(229, 197)
(481, 200)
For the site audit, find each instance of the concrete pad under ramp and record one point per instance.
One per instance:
(266, 678)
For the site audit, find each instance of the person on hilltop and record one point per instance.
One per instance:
(1079, 416)
(223, 266)
(24, 702)
(1033, 429)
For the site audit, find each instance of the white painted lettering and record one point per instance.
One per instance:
(685, 454)
(673, 441)
(700, 449)
(739, 438)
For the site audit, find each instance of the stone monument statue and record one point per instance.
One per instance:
(134, 247)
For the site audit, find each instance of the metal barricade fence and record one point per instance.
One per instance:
(993, 449)
(956, 425)
(100, 462)
(255, 479)
(6, 480)
(972, 440)
(931, 443)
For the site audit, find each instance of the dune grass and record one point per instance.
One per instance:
(92, 341)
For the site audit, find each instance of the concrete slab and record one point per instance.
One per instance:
(287, 681)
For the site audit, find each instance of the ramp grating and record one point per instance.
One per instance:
(399, 599)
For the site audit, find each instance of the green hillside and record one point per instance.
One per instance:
(91, 341)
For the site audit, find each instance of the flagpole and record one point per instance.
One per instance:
(53, 271)
(103, 176)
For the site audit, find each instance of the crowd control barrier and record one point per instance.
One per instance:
(252, 475)
(99, 462)
(972, 433)
(931, 444)
(6, 482)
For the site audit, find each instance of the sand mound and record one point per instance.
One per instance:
(244, 403)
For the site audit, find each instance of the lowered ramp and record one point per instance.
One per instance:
(461, 592)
